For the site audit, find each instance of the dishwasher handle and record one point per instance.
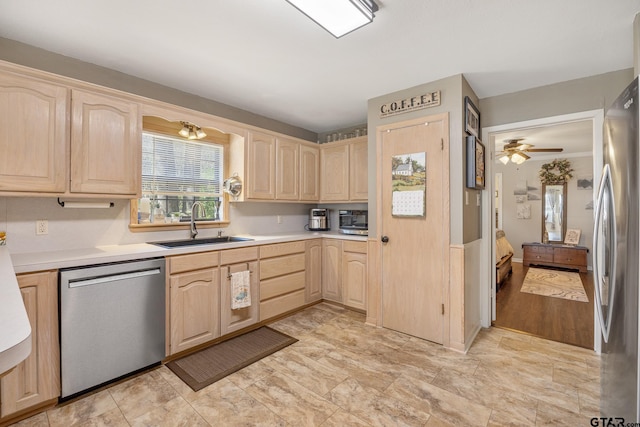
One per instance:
(76, 283)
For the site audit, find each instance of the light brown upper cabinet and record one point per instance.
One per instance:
(309, 173)
(260, 170)
(344, 171)
(287, 169)
(106, 137)
(334, 164)
(280, 168)
(34, 137)
(358, 170)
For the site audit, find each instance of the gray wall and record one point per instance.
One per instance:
(30, 56)
(589, 93)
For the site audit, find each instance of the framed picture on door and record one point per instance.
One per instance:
(475, 163)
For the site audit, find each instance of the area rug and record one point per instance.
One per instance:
(213, 363)
(554, 283)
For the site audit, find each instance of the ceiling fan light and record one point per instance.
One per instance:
(519, 158)
(504, 159)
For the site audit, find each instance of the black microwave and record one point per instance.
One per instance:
(354, 222)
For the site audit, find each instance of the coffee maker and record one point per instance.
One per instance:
(318, 220)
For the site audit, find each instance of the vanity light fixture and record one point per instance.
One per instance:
(339, 17)
(191, 131)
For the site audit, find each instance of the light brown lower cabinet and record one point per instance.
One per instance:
(233, 261)
(194, 315)
(282, 278)
(37, 379)
(354, 274)
(313, 270)
(344, 272)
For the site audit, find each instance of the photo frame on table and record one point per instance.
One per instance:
(471, 118)
(572, 237)
(475, 163)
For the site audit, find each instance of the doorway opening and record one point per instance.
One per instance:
(517, 210)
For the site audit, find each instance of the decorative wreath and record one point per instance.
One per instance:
(558, 171)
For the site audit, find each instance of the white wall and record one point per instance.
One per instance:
(87, 228)
(519, 231)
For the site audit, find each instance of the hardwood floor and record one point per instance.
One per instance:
(557, 319)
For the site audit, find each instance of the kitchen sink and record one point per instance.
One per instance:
(204, 241)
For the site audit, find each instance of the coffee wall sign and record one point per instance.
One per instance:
(414, 103)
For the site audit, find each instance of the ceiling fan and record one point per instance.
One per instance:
(515, 151)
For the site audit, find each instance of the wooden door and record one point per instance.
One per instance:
(106, 145)
(313, 270)
(359, 171)
(287, 169)
(334, 166)
(309, 173)
(36, 379)
(195, 314)
(33, 135)
(261, 164)
(414, 258)
(332, 270)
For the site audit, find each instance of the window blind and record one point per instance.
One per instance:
(172, 166)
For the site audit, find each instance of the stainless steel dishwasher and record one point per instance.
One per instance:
(112, 321)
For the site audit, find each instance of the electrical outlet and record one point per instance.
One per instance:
(42, 227)
(279, 219)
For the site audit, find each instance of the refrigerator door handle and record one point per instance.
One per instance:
(602, 203)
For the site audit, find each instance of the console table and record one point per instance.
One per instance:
(571, 257)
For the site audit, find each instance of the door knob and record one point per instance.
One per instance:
(384, 239)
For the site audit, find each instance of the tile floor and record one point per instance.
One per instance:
(345, 373)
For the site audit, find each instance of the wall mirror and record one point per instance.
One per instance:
(554, 212)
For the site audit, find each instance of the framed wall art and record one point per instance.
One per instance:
(475, 163)
(471, 118)
(572, 237)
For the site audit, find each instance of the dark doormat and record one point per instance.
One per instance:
(209, 365)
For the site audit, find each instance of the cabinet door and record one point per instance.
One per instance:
(195, 313)
(354, 279)
(287, 169)
(261, 166)
(358, 171)
(334, 165)
(332, 270)
(106, 143)
(309, 173)
(37, 378)
(233, 320)
(313, 270)
(33, 143)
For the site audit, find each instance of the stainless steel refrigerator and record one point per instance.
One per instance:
(616, 259)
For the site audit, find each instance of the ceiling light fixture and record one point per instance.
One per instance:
(339, 17)
(191, 131)
(519, 158)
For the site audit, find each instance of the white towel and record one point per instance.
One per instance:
(240, 289)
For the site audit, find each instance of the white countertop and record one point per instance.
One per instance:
(38, 261)
(15, 329)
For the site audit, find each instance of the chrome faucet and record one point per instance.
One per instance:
(194, 230)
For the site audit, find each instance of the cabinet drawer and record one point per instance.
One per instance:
(232, 256)
(282, 304)
(180, 263)
(569, 256)
(282, 265)
(270, 251)
(281, 285)
(536, 253)
(352, 246)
